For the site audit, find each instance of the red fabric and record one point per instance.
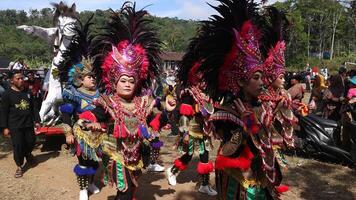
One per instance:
(186, 109)
(87, 115)
(226, 69)
(79, 151)
(282, 188)
(243, 161)
(205, 168)
(193, 77)
(49, 131)
(120, 131)
(255, 128)
(178, 164)
(155, 123)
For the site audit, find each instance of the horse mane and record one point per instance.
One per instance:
(61, 9)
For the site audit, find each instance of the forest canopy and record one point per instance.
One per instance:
(322, 33)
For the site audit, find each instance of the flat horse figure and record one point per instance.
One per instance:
(65, 20)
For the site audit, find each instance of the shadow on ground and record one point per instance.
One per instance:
(320, 181)
(147, 189)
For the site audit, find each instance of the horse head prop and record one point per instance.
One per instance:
(65, 20)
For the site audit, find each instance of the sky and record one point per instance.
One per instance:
(183, 9)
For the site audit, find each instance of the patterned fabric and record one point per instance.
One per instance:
(129, 46)
(82, 99)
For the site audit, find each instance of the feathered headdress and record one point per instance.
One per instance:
(274, 41)
(129, 46)
(78, 57)
(226, 47)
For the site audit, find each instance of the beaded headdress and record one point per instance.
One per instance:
(275, 33)
(226, 47)
(131, 47)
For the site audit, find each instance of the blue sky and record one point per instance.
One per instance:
(184, 9)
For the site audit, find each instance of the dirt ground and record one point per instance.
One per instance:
(52, 179)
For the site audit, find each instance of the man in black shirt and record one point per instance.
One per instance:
(19, 115)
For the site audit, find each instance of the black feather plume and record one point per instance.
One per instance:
(215, 39)
(79, 48)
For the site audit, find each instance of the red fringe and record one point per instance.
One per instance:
(282, 188)
(178, 164)
(120, 131)
(87, 115)
(155, 123)
(186, 109)
(243, 161)
(205, 168)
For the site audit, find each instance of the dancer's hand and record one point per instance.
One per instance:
(6, 132)
(95, 126)
(240, 108)
(69, 139)
(170, 103)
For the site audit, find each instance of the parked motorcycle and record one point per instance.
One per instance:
(320, 138)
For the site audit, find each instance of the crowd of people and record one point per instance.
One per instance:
(231, 87)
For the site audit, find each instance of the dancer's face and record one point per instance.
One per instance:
(253, 87)
(279, 82)
(89, 82)
(125, 87)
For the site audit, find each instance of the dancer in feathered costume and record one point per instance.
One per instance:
(276, 100)
(130, 58)
(78, 75)
(195, 109)
(231, 57)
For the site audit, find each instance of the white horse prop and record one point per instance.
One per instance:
(61, 36)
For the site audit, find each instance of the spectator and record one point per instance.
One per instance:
(11, 64)
(2, 91)
(19, 115)
(19, 65)
(2, 87)
(308, 82)
(317, 93)
(334, 96)
(297, 90)
(34, 86)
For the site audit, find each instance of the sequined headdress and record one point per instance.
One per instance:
(130, 47)
(227, 47)
(274, 41)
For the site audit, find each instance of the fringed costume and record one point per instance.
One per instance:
(78, 98)
(195, 109)
(130, 48)
(276, 100)
(231, 56)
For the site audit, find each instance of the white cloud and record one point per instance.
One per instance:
(193, 9)
(196, 10)
(188, 9)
